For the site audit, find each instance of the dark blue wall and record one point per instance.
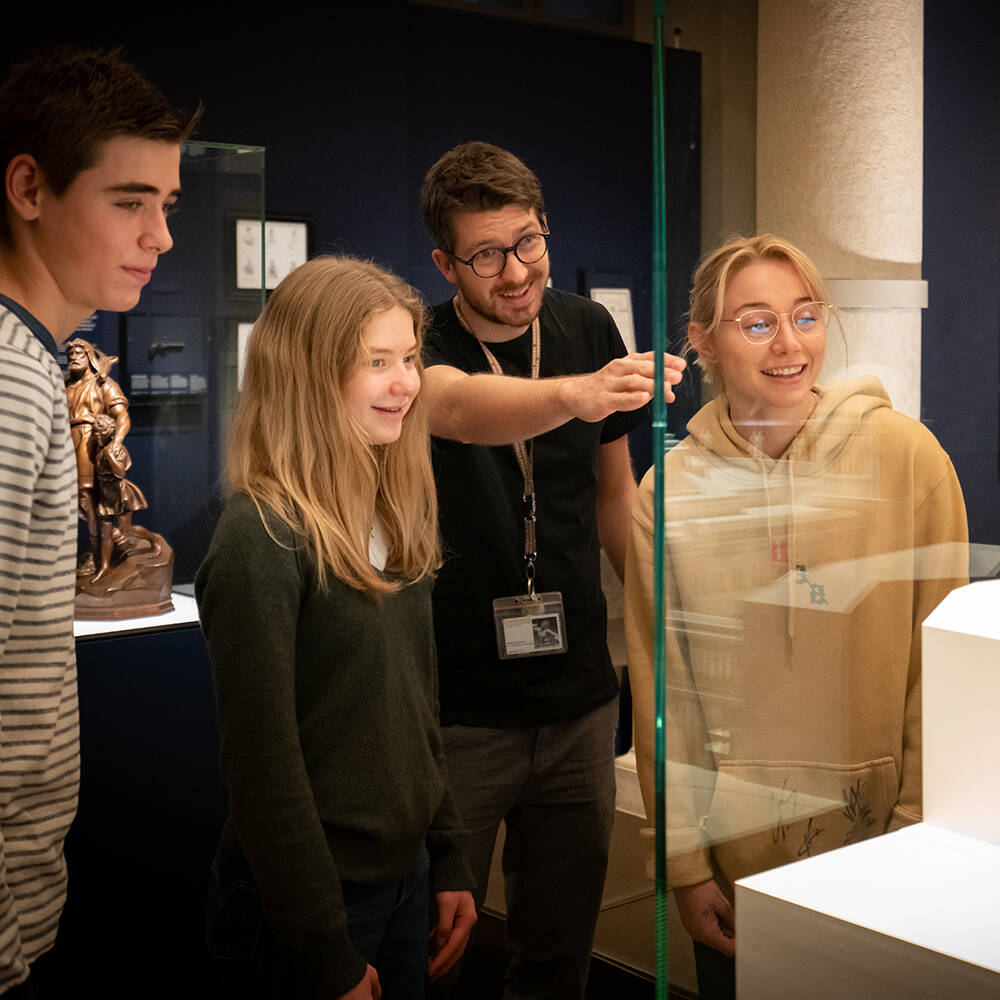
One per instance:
(961, 343)
(355, 103)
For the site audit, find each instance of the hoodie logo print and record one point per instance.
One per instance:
(817, 592)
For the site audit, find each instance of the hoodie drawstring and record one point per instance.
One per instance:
(793, 553)
(791, 542)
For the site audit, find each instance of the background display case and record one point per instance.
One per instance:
(181, 345)
(178, 348)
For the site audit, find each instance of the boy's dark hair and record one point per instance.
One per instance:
(475, 177)
(61, 104)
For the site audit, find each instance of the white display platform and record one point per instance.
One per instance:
(961, 696)
(913, 914)
(909, 915)
(185, 613)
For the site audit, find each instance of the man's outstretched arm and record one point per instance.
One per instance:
(498, 409)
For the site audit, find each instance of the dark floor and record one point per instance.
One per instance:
(482, 977)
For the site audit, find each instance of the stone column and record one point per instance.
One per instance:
(840, 169)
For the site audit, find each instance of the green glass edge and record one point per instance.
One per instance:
(659, 440)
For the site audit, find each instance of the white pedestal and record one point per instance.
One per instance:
(913, 914)
(185, 612)
(961, 686)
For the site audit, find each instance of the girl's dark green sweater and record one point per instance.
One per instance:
(329, 743)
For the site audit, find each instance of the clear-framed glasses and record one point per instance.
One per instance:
(760, 326)
(490, 262)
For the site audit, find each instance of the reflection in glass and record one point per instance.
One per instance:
(809, 531)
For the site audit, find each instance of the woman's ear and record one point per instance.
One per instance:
(701, 341)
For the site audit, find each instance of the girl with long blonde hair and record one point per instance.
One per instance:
(315, 601)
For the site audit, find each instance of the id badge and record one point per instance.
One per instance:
(529, 625)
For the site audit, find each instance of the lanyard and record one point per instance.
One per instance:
(524, 450)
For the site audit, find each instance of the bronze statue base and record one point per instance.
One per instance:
(104, 611)
(137, 586)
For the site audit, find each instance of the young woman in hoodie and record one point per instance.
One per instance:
(809, 532)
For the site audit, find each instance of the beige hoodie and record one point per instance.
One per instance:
(794, 593)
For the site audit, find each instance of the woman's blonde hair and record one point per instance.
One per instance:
(708, 286)
(295, 448)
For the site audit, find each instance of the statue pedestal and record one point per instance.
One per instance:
(151, 808)
(961, 697)
(137, 586)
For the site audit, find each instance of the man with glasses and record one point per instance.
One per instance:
(531, 396)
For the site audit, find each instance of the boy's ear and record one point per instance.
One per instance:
(23, 184)
(701, 341)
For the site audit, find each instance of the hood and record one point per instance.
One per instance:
(836, 418)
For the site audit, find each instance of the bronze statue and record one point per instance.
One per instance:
(126, 570)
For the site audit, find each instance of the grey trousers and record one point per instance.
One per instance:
(553, 786)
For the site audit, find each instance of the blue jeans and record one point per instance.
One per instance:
(387, 924)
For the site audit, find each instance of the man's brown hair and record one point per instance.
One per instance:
(59, 106)
(475, 177)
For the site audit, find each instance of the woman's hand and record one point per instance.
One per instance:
(456, 918)
(367, 989)
(707, 915)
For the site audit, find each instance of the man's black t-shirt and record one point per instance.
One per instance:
(481, 516)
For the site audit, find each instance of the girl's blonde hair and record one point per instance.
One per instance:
(708, 286)
(295, 448)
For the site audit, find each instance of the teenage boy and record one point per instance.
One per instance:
(91, 154)
(528, 725)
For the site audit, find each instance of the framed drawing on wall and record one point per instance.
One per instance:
(618, 302)
(274, 249)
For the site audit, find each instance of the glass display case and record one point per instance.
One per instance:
(787, 553)
(178, 349)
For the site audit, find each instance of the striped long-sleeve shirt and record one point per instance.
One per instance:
(39, 722)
